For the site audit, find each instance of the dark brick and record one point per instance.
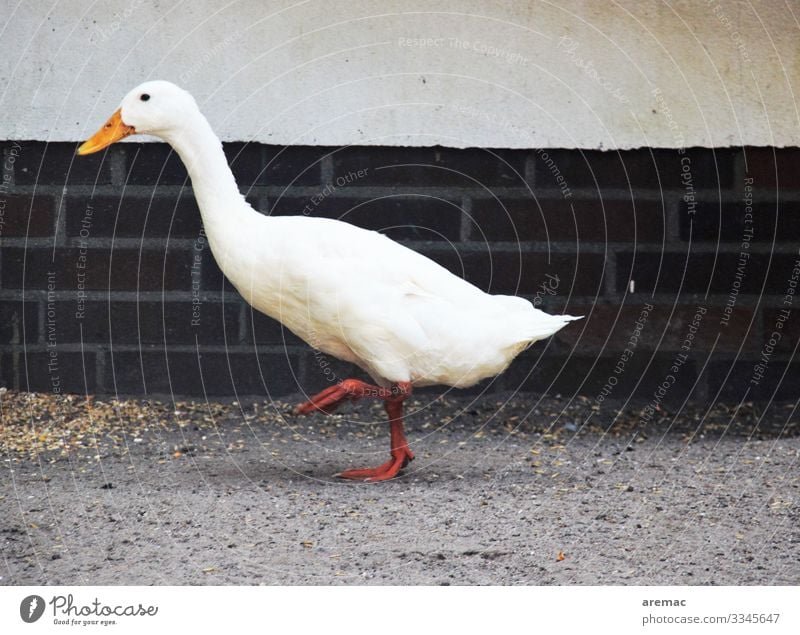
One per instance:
(161, 216)
(251, 164)
(147, 323)
(710, 168)
(399, 217)
(212, 277)
(571, 220)
(122, 269)
(19, 322)
(292, 166)
(450, 259)
(156, 325)
(726, 222)
(26, 216)
(261, 329)
(256, 202)
(10, 366)
(610, 329)
(67, 325)
(213, 374)
(565, 169)
(741, 332)
(633, 169)
(734, 381)
(671, 272)
(57, 164)
(788, 327)
(208, 322)
(773, 169)
(523, 273)
(246, 163)
(28, 370)
(154, 164)
(254, 165)
(589, 376)
(430, 166)
(520, 273)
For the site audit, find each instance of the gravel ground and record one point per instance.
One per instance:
(503, 491)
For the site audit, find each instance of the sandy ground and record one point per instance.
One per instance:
(502, 491)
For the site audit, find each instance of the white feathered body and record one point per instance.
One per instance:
(354, 294)
(361, 297)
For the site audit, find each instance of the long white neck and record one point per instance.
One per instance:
(212, 180)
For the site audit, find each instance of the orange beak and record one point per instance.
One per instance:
(111, 132)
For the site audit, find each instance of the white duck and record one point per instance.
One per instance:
(351, 293)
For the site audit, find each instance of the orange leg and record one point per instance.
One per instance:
(331, 398)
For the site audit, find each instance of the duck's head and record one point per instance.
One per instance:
(157, 108)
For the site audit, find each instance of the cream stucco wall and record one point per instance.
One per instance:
(417, 72)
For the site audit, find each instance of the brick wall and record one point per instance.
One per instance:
(104, 272)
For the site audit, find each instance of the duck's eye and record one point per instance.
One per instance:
(144, 97)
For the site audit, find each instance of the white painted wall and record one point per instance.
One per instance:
(417, 72)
